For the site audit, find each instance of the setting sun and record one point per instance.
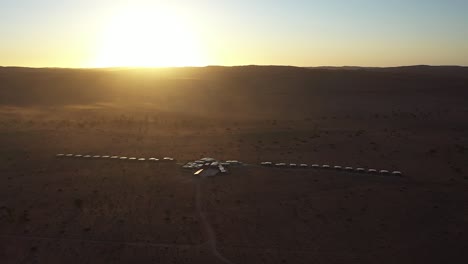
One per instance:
(233, 131)
(147, 38)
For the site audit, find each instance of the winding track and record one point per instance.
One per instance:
(208, 229)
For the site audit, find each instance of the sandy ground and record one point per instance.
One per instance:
(101, 211)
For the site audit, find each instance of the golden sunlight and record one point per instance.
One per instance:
(148, 38)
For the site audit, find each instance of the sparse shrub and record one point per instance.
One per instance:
(432, 151)
(78, 203)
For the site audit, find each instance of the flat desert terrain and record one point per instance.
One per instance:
(72, 210)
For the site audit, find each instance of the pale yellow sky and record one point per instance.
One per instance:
(108, 33)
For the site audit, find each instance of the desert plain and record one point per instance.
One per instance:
(74, 210)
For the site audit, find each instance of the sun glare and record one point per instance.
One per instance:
(148, 38)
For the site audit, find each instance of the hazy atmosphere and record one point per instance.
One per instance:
(233, 132)
(52, 33)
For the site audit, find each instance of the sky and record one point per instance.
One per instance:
(93, 33)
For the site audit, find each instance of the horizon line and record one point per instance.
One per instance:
(233, 66)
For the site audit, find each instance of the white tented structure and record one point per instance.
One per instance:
(209, 166)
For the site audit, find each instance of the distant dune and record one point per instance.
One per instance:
(246, 91)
